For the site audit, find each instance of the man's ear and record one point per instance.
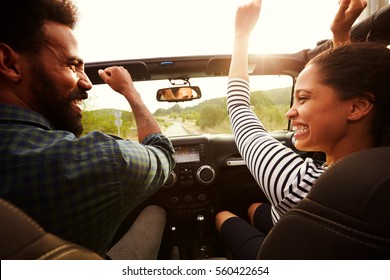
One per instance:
(9, 64)
(361, 106)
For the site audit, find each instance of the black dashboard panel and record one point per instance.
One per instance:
(189, 190)
(210, 176)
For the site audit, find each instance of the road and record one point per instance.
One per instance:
(175, 129)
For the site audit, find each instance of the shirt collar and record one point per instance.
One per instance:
(16, 114)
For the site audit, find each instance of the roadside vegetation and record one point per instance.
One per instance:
(209, 116)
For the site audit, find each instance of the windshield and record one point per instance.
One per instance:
(121, 29)
(109, 112)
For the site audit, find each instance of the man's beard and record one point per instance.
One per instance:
(59, 111)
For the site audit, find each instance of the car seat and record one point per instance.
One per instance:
(375, 28)
(21, 238)
(345, 215)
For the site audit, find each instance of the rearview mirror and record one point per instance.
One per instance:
(178, 94)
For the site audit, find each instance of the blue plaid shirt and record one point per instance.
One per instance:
(80, 189)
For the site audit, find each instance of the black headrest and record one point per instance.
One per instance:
(374, 28)
(345, 215)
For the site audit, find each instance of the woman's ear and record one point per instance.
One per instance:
(361, 106)
(9, 64)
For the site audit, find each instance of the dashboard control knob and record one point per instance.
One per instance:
(174, 200)
(187, 199)
(205, 174)
(171, 181)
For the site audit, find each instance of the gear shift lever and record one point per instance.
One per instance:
(201, 228)
(175, 255)
(200, 224)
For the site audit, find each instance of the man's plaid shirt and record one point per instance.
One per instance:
(80, 189)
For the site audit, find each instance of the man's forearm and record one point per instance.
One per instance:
(146, 123)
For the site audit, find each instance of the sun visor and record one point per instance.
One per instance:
(218, 66)
(137, 69)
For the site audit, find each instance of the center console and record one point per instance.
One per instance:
(191, 167)
(188, 188)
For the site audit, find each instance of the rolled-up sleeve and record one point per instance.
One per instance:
(144, 167)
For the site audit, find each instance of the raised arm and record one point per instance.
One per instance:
(246, 18)
(119, 79)
(348, 12)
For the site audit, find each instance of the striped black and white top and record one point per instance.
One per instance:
(281, 173)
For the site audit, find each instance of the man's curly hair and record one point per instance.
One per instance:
(22, 21)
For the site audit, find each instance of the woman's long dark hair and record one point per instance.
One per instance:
(361, 69)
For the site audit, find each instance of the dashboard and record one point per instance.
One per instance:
(193, 165)
(189, 153)
(210, 175)
(189, 188)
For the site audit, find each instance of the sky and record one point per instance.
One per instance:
(126, 29)
(130, 29)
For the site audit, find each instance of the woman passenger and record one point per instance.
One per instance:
(341, 106)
